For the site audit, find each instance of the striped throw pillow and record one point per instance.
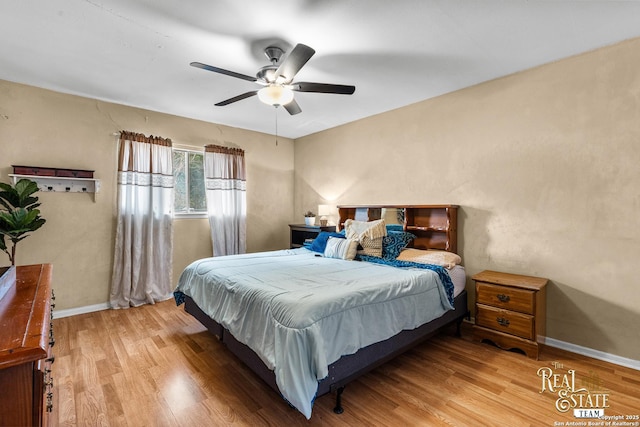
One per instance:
(341, 248)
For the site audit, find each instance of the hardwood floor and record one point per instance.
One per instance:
(157, 366)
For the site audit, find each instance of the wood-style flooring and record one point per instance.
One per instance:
(157, 366)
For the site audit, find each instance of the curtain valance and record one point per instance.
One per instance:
(211, 148)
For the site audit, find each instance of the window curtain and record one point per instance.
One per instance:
(142, 267)
(226, 198)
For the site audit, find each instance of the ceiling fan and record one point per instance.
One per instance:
(277, 79)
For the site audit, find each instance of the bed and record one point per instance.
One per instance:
(309, 321)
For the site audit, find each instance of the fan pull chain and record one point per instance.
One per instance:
(276, 110)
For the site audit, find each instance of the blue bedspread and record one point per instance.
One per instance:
(299, 312)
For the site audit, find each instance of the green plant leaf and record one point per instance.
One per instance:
(18, 196)
(20, 216)
(24, 189)
(8, 199)
(20, 221)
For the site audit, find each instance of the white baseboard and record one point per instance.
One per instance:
(585, 351)
(596, 354)
(57, 314)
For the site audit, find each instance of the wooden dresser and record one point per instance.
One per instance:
(510, 310)
(26, 338)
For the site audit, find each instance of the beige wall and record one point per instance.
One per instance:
(544, 164)
(44, 128)
(546, 167)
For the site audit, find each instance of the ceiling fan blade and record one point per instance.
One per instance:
(292, 107)
(294, 62)
(323, 88)
(236, 98)
(223, 71)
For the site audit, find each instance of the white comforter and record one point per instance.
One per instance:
(300, 312)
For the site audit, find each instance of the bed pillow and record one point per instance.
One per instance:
(395, 227)
(320, 242)
(341, 248)
(368, 233)
(394, 242)
(430, 256)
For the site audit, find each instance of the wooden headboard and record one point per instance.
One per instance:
(435, 226)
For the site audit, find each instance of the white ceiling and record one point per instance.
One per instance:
(137, 52)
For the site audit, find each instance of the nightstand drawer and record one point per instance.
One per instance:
(521, 300)
(510, 322)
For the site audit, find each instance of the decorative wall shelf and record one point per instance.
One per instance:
(62, 184)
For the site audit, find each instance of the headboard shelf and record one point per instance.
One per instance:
(435, 226)
(415, 227)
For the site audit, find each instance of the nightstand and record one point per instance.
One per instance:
(302, 232)
(510, 310)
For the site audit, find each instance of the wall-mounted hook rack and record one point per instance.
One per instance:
(62, 184)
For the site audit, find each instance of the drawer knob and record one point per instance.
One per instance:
(502, 321)
(503, 297)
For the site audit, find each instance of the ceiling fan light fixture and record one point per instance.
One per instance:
(277, 79)
(275, 95)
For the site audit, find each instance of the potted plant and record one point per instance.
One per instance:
(309, 218)
(19, 215)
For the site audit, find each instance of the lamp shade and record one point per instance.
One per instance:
(275, 95)
(324, 210)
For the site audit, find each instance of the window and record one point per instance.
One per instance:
(188, 172)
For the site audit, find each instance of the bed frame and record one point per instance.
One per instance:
(436, 228)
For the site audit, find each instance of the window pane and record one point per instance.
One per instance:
(180, 182)
(196, 182)
(189, 192)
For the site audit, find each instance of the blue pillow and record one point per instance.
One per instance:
(395, 227)
(320, 242)
(394, 242)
